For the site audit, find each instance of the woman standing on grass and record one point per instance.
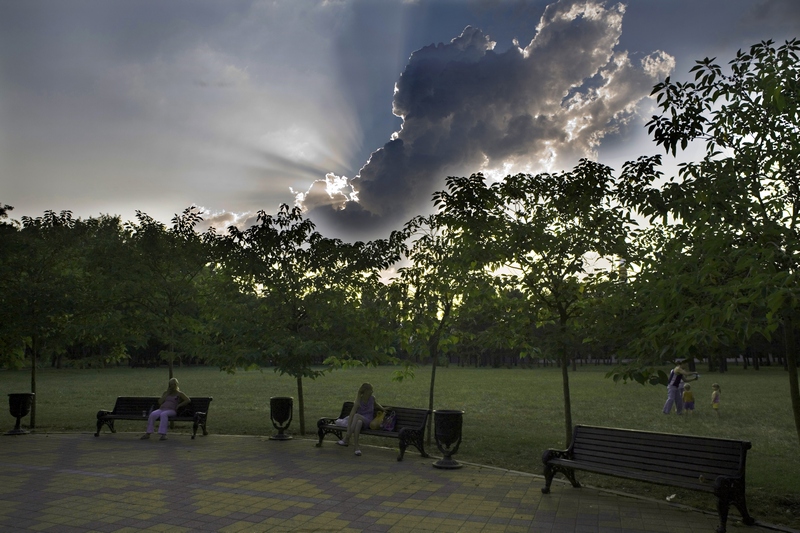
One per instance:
(677, 376)
(168, 405)
(361, 414)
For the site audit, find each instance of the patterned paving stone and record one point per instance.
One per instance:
(118, 483)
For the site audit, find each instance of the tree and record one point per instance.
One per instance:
(163, 286)
(101, 328)
(544, 233)
(306, 285)
(38, 274)
(430, 289)
(11, 345)
(743, 198)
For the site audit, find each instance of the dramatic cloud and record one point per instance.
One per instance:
(467, 108)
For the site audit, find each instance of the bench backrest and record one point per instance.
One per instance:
(405, 416)
(409, 417)
(660, 454)
(134, 405)
(138, 405)
(346, 408)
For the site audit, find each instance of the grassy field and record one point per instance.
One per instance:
(511, 416)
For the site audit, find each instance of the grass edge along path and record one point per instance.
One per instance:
(511, 415)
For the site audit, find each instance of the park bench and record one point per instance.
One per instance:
(140, 407)
(697, 463)
(409, 427)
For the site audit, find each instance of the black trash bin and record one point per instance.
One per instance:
(447, 429)
(19, 404)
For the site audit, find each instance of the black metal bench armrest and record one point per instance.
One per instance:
(548, 455)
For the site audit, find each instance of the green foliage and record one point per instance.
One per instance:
(310, 296)
(726, 271)
(542, 235)
(163, 280)
(308, 290)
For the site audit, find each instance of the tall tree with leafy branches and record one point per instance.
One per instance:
(305, 285)
(39, 271)
(163, 282)
(741, 203)
(545, 234)
(429, 290)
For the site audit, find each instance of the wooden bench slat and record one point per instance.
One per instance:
(651, 452)
(728, 462)
(668, 441)
(656, 466)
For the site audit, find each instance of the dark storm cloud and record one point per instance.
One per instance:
(467, 108)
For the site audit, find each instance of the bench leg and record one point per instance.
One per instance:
(548, 478)
(730, 491)
(199, 421)
(551, 470)
(321, 432)
(109, 423)
(414, 438)
(101, 419)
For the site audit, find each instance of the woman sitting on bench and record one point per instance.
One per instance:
(168, 405)
(361, 415)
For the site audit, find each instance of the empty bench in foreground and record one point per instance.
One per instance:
(688, 462)
(409, 427)
(140, 407)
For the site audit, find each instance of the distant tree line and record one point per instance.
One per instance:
(587, 264)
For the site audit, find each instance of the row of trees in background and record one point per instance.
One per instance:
(526, 266)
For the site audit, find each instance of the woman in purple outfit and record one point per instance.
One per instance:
(168, 405)
(361, 414)
(677, 377)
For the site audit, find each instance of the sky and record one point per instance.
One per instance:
(354, 110)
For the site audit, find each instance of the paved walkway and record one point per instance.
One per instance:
(76, 482)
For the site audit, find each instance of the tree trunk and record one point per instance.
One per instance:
(434, 358)
(791, 360)
(34, 357)
(433, 350)
(301, 405)
(170, 361)
(567, 402)
(565, 381)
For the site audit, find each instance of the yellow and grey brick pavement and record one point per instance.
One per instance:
(118, 483)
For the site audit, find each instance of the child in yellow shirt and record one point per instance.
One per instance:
(688, 399)
(715, 397)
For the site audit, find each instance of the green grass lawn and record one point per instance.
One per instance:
(511, 416)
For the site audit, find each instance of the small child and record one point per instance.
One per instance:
(715, 397)
(688, 399)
